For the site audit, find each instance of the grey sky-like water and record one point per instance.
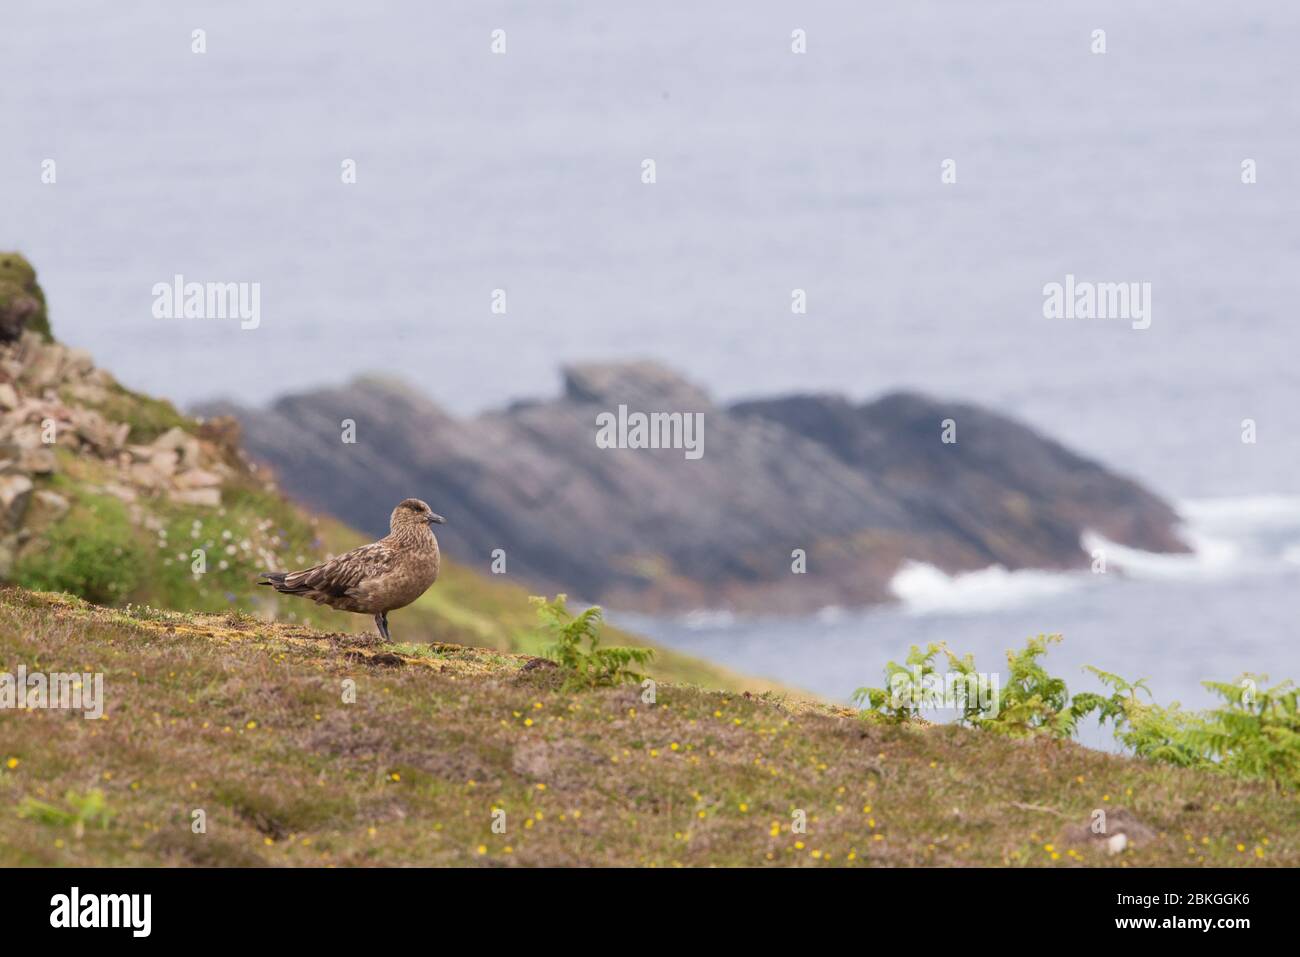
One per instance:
(775, 171)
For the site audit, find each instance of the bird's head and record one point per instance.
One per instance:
(412, 513)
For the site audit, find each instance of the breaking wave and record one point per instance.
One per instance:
(1229, 537)
(925, 590)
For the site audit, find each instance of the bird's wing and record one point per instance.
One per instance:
(339, 577)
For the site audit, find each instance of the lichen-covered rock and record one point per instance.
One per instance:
(37, 461)
(163, 461)
(197, 478)
(15, 491)
(207, 497)
(22, 303)
(144, 475)
(44, 367)
(182, 443)
(57, 407)
(45, 508)
(104, 436)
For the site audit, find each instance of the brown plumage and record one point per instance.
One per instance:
(376, 578)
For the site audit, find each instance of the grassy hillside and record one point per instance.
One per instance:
(245, 720)
(97, 550)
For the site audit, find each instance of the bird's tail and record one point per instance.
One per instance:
(277, 581)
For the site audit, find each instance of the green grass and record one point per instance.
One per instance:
(245, 720)
(99, 553)
(93, 552)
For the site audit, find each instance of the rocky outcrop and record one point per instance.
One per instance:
(859, 488)
(1001, 494)
(22, 303)
(53, 398)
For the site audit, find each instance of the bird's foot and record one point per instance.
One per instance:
(381, 621)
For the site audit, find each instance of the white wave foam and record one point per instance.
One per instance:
(1229, 537)
(926, 590)
(1211, 558)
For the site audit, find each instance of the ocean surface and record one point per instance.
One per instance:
(775, 171)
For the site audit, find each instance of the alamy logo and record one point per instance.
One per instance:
(954, 691)
(1098, 300)
(103, 910)
(63, 691)
(651, 430)
(179, 299)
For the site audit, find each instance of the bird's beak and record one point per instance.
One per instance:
(437, 520)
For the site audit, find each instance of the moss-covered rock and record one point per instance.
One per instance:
(22, 303)
(95, 552)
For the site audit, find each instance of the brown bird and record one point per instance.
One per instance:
(376, 578)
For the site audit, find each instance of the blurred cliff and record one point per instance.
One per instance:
(860, 488)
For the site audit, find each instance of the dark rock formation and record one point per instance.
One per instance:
(859, 487)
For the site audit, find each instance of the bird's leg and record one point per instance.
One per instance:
(381, 622)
